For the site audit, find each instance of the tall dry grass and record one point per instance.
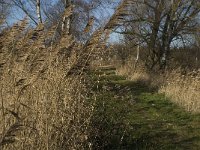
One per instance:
(44, 90)
(183, 89)
(133, 72)
(41, 106)
(181, 86)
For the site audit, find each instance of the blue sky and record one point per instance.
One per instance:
(102, 13)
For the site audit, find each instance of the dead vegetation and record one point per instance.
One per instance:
(44, 88)
(183, 89)
(180, 85)
(41, 107)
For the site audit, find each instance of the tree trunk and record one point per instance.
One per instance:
(66, 22)
(153, 54)
(39, 15)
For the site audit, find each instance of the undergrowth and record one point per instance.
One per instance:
(132, 115)
(45, 89)
(180, 85)
(42, 107)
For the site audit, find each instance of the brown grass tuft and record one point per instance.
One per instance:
(181, 86)
(139, 73)
(183, 89)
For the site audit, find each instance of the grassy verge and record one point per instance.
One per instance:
(130, 115)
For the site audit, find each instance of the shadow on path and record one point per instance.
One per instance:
(131, 115)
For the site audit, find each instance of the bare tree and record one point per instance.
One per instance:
(84, 17)
(161, 23)
(59, 13)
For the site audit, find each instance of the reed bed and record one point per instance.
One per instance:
(180, 85)
(42, 107)
(183, 89)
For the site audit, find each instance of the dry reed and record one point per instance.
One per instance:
(41, 107)
(138, 73)
(181, 86)
(44, 90)
(183, 89)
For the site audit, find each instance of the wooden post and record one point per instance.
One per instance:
(137, 57)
